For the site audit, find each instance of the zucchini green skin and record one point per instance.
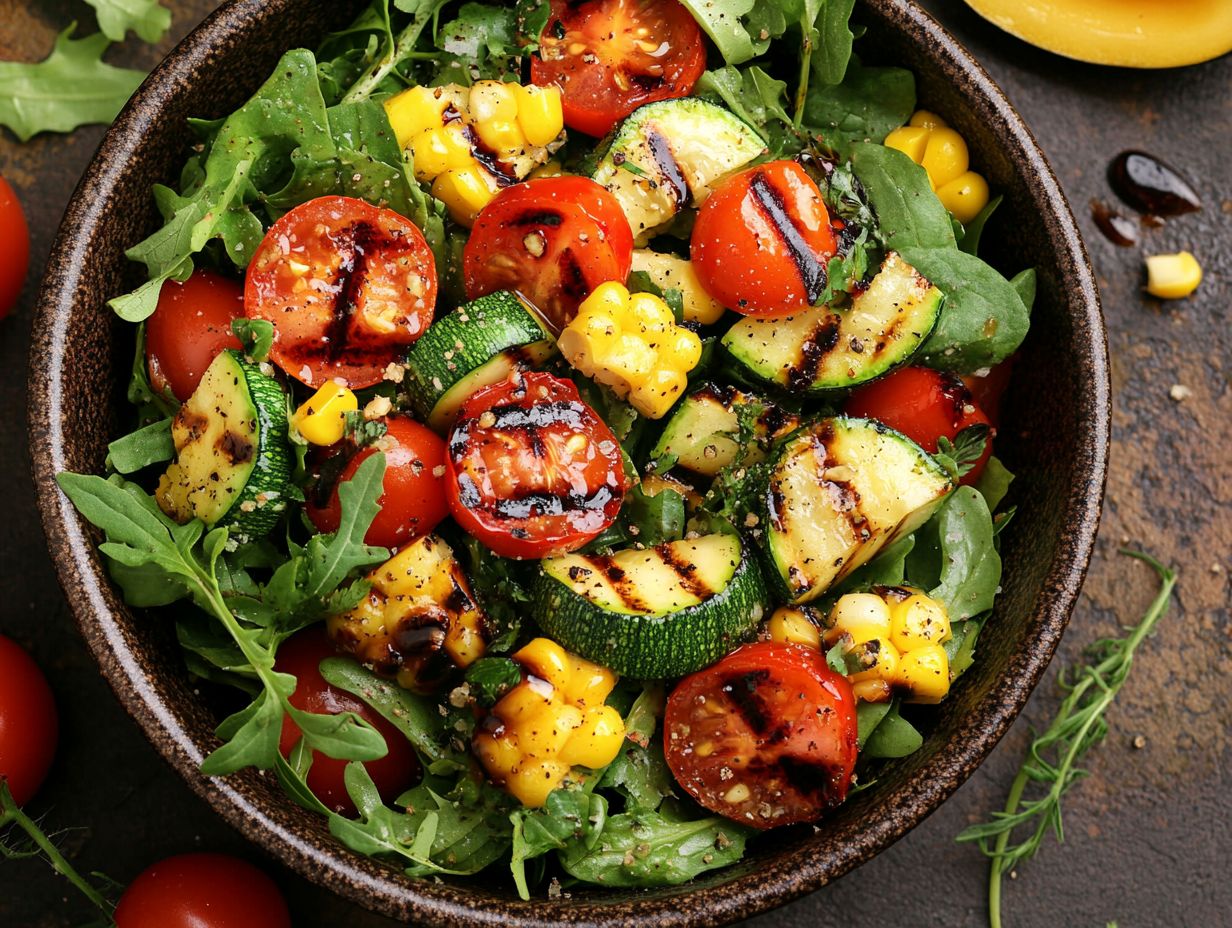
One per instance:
(666, 156)
(701, 434)
(838, 492)
(819, 350)
(654, 647)
(478, 344)
(234, 469)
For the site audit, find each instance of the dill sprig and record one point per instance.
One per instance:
(1053, 757)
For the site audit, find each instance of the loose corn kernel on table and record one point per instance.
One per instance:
(1144, 833)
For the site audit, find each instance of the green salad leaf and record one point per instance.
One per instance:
(757, 98)
(150, 444)
(890, 736)
(722, 20)
(569, 817)
(147, 18)
(865, 106)
(908, 212)
(71, 87)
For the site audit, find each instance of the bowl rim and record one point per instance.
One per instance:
(376, 885)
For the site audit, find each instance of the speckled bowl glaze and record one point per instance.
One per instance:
(1055, 439)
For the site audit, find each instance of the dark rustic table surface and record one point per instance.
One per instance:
(1147, 834)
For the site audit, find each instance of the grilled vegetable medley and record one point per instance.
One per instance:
(563, 434)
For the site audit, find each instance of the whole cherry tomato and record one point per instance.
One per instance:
(202, 891)
(924, 405)
(301, 656)
(29, 726)
(188, 329)
(413, 500)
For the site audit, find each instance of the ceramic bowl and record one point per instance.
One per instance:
(1055, 438)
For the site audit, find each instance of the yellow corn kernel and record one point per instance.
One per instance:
(502, 136)
(547, 660)
(630, 356)
(650, 313)
(465, 191)
(681, 351)
(910, 140)
(531, 783)
(656, 396)
(872, 690)
(860, 616)
(414, 111)
(794, 625)
(322, 419)
(918, 620)
(492, 100)
(439, 150)
(589, 684)
(547, 169)
(880, 659)
(610, 296)
(945, 157)
(542, 736)
(499, 756)
(597, 740)
(525, 702)
(964, 196)
(1172, 277)
(668, 272)
(540, 113)
(925, 673)
(927, 120)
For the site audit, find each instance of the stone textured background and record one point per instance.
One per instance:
(1147, 833)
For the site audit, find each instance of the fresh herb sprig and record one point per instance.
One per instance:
(1053, 757)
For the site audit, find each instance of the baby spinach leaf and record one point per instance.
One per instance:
(994, 483)
(148, 445)
(826, 26)
(983, 320)
(1024, 283)
(650, 849)
(960, 649)
(145, 17)
(974, 230)
(892, 737)
(866, 106)
(908, 212)
(970, 567)
(71, 87)
(256, 335)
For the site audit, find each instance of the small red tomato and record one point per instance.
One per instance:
(188, 329)
(14, 248)
(29, 726)
(301, 656)
(202, 891)
(532, 470)
(611, 56)
(762, 241)
(347, 286)
(924, 405)
(553, 239)
(765, 737)
(413, 501)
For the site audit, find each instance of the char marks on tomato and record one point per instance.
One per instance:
(773, 206)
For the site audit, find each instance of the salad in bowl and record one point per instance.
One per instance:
(566, 432)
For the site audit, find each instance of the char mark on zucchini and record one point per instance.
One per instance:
(668, 169)
(812, 271)
(813, 350)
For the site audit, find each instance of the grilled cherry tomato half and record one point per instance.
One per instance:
(413, 501)
(553, 239)
(347, 286)
(14, 248)
(29, 726)
(188, 329)
(611, 56)
(202, 891)
(765, 737)
(924, 405)
(533, 471)
(762, 240)
(301, 656)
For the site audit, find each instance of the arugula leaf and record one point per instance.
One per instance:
(758, 99)
(382, 74)
(569, 816)
(479, 44)
(958, 457)
(866, 106)
(722, 21)
(652, 849)
(71, 87)
(908, 212)
(983, 321)
(148, 445)
(490, 678)
(459, 830)
(417, 717)
(498, 589)
(827, 26)
(640, 771)
(344, 55)
(145, 17)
